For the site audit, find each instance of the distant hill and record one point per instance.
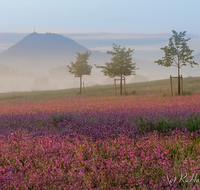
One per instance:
(40, 52)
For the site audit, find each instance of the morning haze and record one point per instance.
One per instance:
(39, 62)
(38, 39)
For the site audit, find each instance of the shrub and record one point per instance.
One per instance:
(164, 95)
(134, 92)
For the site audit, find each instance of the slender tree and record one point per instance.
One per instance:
(177, 53)
(80, 67)
(120, 65)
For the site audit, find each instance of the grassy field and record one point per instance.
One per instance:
(191, 84)
(61, 140)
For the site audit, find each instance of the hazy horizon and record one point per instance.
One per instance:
(56, 76)
(144, 26)
(146, 46)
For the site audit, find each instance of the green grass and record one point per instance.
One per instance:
(191, 85)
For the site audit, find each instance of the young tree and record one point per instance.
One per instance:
(80, 67)
(121, 64)
(177, 53)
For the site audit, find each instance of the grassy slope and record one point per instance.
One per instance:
(153, 87)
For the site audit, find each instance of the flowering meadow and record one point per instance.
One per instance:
(83, 142)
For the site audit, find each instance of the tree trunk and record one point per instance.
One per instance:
(74, 81)
(124, 86)
(178, 79)
(80, 84)
(179, 86)
(121, 85)
(178, 76)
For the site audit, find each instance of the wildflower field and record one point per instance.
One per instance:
(83, 142)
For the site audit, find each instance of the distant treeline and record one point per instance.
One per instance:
(6, 70)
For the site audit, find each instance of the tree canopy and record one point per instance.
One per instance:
(121, 63)
(177, 53)
(80, 67)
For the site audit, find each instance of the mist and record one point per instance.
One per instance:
(39, 62)
(56, 78)
(12, 80)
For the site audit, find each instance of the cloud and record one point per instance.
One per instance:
(104, 36)
(136, 48)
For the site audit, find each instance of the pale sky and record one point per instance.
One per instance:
(143, 25)
(63, 16)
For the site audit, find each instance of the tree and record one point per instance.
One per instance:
(177, 53)
(121, 64)
(80, 67)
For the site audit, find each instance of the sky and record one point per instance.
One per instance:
(143, 25)
(63, 16)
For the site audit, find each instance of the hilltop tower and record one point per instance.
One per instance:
(34, 30)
